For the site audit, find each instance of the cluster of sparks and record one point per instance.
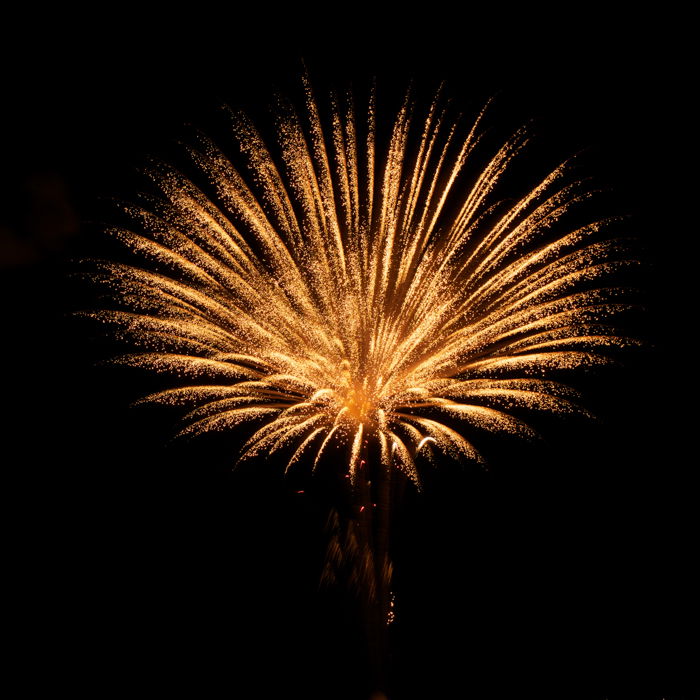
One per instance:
(338, 289)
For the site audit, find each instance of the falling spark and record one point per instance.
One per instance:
(336, 290)
(391, 614)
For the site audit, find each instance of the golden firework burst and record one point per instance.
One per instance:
(339, 288)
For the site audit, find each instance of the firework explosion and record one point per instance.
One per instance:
(357, 296)
(345, 292)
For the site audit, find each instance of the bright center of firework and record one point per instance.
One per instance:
(358, 403)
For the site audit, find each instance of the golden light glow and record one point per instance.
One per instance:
(341, 290)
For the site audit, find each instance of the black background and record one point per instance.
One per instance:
(565, 570)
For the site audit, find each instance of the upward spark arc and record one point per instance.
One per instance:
(349, 291)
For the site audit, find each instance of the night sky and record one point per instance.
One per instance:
(564, 570)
